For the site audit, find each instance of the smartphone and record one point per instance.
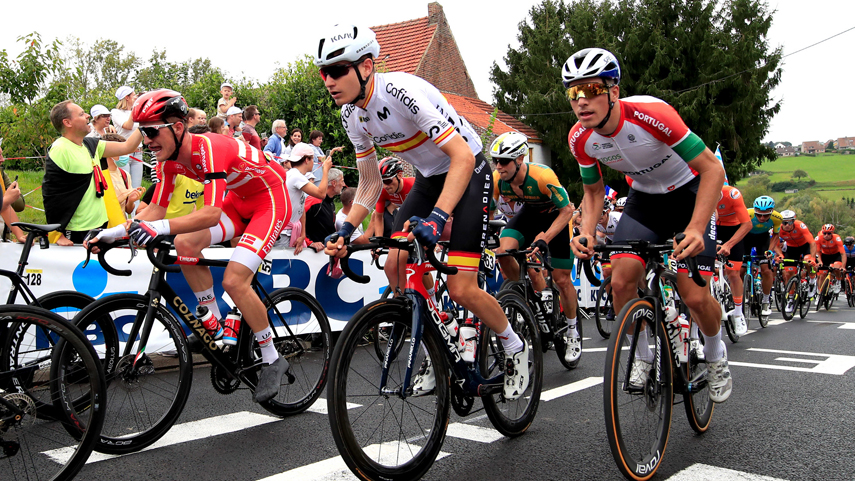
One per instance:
(16, 179)
(1, 140)
(328, 152)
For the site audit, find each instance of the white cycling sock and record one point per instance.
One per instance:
(737, 310)
(693, 331)
(714, 348)
(432, 291)
(767, 298)
(571, 327)
(206, 298)
(642, 348)
(265, 342)
(510, 340)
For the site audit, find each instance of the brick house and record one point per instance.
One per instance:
(813, 147)
(784, 151)
(425, 47)
(846, 143)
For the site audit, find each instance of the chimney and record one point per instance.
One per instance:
(435, 14)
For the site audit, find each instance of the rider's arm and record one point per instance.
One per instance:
(115, 149)
(459, 173)
(712, 179)
(559, 224)
(744, 228)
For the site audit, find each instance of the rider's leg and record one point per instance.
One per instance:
(198, 277)
(463, 289)
(564, 281)
(736, 286)
(767, 279)
(707, 314)
(510, 268)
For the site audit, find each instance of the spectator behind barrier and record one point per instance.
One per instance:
(320, 213)
(196, 117)
(100, 125)
(358, 237)
(295, 138)
(251, 117)
(218, 126)
(119, 186)
(277, 143)
(233, 120)
(125, 126)
(13, 202)
(316, 138)
(227, 100)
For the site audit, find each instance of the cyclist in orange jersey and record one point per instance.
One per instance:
(732, 224)
(831, 253)
(800, 244)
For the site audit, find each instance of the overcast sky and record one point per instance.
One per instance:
(254, 38)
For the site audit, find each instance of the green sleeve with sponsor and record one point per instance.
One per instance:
(690, 147)
(558, 195)
(590, 175)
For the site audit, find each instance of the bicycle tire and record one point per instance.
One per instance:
(850, 296)
(145, 399)
(604, 326)
(829, 297)
(561, 345)
(637, 451)
(422, 440)
(778, 292)
(699, 406)
(309, 366)
(68, 369)
(491, 360)
(728, 321)
(804, 300)
(791, 292)
(748, 298)
(822, 295)
(381, 335)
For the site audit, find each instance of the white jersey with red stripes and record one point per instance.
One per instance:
(409, 116)
(651, 145)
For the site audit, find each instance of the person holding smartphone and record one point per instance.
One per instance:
(13, 201)
(315, 140)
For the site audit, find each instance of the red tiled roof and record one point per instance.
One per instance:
(405, 43)
(478, 113)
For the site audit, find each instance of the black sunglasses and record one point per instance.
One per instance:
(337, 71)
(504, 161)
(388, 181)
(154, 130)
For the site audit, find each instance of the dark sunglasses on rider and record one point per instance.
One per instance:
(788, 222)
(504, 161)
(153, 130)
(826, 232)
(336, 71)
(388, 181)
(587, 91)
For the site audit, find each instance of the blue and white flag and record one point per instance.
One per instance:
(718, 156)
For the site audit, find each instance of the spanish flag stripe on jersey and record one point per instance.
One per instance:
(443, 136)
(361, 155)
(408, 144)
(465, 261)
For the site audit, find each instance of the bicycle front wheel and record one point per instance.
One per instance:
(53, 366)
(850, 295)
(145, 396)
(512, 418)
(822, 295)
(638, 420)
(699, 406)
(601, 311)
(385, 435)
(306, 344)
(748, 304)
(804, 300)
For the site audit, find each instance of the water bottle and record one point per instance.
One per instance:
(468, 336)
(546, 297)
(450, 324)
(230, 332)
(678, 332)
(211, 323)
(670, 311)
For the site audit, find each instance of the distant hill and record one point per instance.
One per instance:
(834, 173)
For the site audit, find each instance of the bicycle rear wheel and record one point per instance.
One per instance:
(699, 406)
(804, 300)
(822, 294)
(790, 294)
(307, 347)
(382, 436)
(604, 326)
(748, 306)
(638, 421)
(63, 373)
(512, 418)
(850, 295)
(146, 396)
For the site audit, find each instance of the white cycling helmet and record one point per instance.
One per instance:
(509, 145)
(591, 63)
(788, 215)
(346, 43)
(621, 202)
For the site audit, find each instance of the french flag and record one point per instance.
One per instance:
(611, 193)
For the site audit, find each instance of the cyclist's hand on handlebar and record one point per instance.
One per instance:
(540, 245)
(723, 250)
(107, 236)
(145, 231)
(580, 251)
(335, 243)
(430, 229)
(692, 244)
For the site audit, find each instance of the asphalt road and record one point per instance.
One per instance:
(791, 416)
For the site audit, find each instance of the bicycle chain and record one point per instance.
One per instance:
(221, 381)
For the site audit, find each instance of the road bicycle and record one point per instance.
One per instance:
(752, 290)
(797, 289)
(825, 295)
(721, 292)
(848, 287)
(52, 392)
(391, 434)
(546, 305)
(778, 285)
(638, 419)
(147, 393)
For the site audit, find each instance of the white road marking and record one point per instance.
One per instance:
(704, 472)
(775, 322)
(843, 325)
(570, 388)
(336, 469)
(832, 364)
(320, 406)
(473, 433)
(181, 433)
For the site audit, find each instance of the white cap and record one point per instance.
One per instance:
(123, 92)
(226, 84)
(233, 111)
(98, 109)
(299, 151)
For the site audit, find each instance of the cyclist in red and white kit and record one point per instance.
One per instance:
(409, 116)
(675, 182)
(255, 209)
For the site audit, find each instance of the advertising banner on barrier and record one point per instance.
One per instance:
(61, 268)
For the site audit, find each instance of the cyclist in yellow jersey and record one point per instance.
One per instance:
(763, 218)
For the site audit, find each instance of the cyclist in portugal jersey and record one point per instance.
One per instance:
(675, 182)
(407, 115)
(255, 209)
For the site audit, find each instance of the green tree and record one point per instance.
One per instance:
(799, 173)
(94, 73)
(753, 188)
(26, 78)
(710, 61)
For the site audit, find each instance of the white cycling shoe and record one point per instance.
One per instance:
(425, 381)
(739, 325)
(719, 380)
(573, 346)
(516, 374)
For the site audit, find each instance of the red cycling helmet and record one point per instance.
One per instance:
(828, 228)
(158, 105)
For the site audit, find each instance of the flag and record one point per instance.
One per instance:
(718, 156)
(611, 193)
